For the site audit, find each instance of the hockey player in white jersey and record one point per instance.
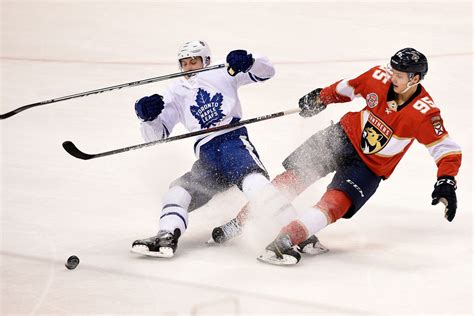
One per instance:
(224, 158)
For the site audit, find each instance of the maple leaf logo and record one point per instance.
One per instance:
(208, 111)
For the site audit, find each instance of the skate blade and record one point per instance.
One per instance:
(211, 242)
(269, 257)
(317, 249)
(165, 252)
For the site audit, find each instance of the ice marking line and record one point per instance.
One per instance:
(317, 306)
(277, 62)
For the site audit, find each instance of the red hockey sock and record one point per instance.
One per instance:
(289, 183)
(335, 203)
(296, 231)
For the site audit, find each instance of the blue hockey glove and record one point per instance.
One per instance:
(445, 192)
(148, 108)
(311, 103)
(239, 61)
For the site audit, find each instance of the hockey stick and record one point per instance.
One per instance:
(74, 151)
(119, 86)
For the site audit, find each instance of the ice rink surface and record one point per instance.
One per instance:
(397, 256)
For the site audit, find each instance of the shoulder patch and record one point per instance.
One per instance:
(437, 125)
(372, 100)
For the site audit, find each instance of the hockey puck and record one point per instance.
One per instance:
(72, 262)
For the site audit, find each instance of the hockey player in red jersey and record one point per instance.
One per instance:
(363, 149)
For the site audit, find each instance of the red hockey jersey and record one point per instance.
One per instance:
(382, 132)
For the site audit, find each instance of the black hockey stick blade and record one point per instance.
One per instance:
(8, 114)
(75, 152)
(32, 105)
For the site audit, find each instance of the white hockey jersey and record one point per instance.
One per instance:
(205, 100)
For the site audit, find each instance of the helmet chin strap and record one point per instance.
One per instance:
(409, 85)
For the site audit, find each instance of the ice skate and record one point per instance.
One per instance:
(280, 252)
(312, 246)
(162, 245)
(225, 232)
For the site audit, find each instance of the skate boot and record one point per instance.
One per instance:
(226, 232)
(280, 252)
(163, 245)
(312, 246)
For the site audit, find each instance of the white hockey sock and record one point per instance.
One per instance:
(314, 219)
(174, 213)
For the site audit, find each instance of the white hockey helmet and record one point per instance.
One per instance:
(195, 49)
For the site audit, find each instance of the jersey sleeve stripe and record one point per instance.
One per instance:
(257, 78)
(437, 141)
(443, 147)
(345, 89)
(395, 146)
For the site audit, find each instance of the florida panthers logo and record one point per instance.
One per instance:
(375, 135)
(208, 111)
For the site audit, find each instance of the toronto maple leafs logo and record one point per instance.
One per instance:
(208, 111)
